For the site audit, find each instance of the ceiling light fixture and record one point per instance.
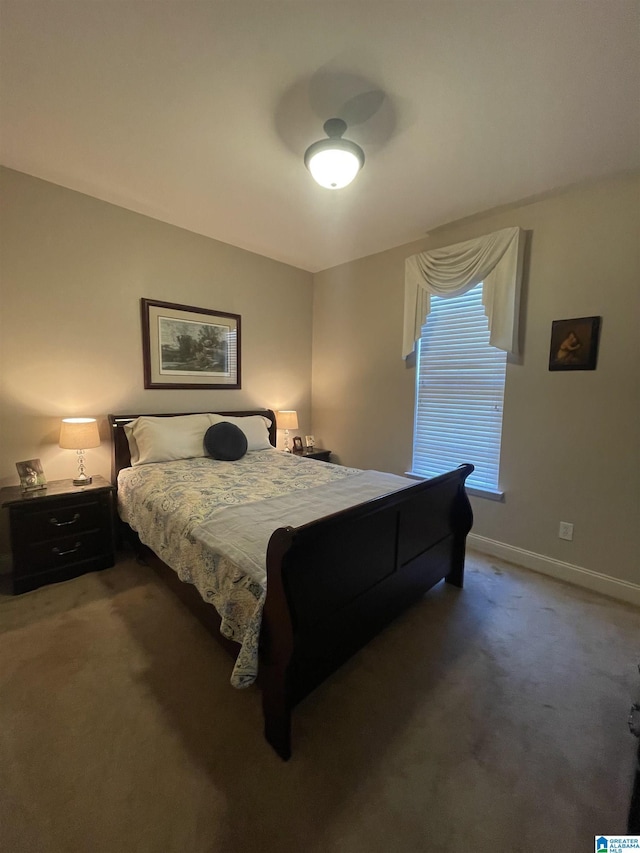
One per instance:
(334, 162)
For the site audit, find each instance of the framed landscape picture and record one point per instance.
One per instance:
(188, 347)
(574, 344)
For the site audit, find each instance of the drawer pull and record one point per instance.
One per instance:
(57, 523)
(60, 553)
(634, 721)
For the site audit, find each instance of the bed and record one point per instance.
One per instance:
(323, 582)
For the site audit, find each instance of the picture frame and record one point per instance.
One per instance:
(297, 444)
(31, 475)
(309, 441)
(188, 347)
(574, 343)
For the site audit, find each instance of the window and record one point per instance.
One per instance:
(459, 393)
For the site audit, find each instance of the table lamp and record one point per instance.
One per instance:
(78, 434)
(287, 420)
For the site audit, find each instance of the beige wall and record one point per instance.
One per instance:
(73, 271)
(570, 447)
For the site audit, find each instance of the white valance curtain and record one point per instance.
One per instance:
(495, 259)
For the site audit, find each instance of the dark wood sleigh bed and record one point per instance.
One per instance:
(335, 583)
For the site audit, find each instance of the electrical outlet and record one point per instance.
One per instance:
(565, 531)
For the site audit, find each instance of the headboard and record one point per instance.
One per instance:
(121, 456)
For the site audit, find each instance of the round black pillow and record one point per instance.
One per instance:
(225, 441)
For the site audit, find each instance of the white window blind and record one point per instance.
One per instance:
(459, 392)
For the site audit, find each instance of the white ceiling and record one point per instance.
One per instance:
(199, 113)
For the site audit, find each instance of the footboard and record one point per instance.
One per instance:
(335, 583)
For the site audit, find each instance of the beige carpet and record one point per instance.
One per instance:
(488, 719)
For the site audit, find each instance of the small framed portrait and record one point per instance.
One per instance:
(309, 441)
(297, 444)
(574, 344)
(31, 475)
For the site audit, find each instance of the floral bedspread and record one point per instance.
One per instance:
(166, 502)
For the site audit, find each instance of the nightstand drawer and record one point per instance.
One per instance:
(35, 524)
(60, 552)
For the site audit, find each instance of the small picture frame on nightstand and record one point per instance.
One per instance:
(309, 442)
(31, 475)
(297, 444)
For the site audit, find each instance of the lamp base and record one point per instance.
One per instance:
(82, 481)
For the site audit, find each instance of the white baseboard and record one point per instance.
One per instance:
(604, 584)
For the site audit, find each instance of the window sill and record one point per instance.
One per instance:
(485, 493)
(489, 494)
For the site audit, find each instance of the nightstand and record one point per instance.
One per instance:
(59, 532)
(314, 453)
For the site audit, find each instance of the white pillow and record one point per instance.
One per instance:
(255, 427)
(134, 453)
(166, 439)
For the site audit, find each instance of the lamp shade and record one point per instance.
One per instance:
(288, 419)
(79, 433)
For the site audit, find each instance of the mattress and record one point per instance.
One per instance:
(210, 521)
